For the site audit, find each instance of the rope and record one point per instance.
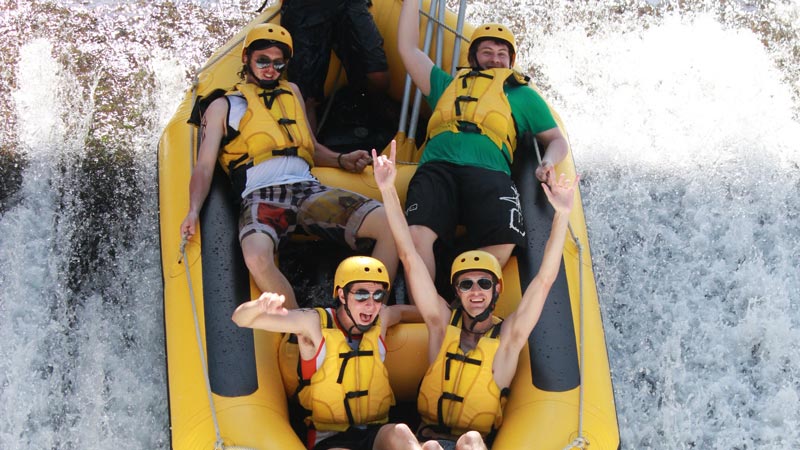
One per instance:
(218, 444)
(458, 33)
(580, 441)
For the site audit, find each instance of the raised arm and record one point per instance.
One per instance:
(268, 313)
(417, 63)
(520, 323)
(432, 307)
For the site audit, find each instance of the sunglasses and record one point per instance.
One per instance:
(278, 64)
(483, 283)
(363, 295)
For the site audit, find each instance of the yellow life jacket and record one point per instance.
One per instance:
(458, 392)
(475, 102)
(273, 125)
(351, 387)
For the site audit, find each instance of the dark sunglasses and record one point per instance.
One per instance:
(363, 295)
(278, 64)
(483, 283)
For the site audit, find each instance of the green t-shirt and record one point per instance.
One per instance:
(531, 114)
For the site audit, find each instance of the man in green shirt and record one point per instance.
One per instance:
(465, 172)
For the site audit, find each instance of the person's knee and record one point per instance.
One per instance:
(378, 82)
(422, 236)
(401, 431)
(259, 254)
(396, 435)
(375, 225)
(432, 445)
(471, 440)
(501, 251)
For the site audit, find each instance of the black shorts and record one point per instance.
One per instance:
(353, 438)
(319, 26)
(442, 196)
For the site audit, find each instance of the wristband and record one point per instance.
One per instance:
(339, 161)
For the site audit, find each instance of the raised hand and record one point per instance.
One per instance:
(561, 192)
(272, 303)
(384, 167)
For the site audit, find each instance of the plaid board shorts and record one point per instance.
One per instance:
(328, 213)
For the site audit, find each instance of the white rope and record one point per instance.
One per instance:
(218, 444)
(580, 441)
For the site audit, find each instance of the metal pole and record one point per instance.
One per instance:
(462, 12)
(426, 47)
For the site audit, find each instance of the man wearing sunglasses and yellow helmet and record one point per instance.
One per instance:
(259, 134)
(473, 355)
(478, 118)
(343, 382)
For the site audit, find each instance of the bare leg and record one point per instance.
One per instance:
(259, 255)
(500, 251)
(395, 436)
(424, 238)
(376, 226)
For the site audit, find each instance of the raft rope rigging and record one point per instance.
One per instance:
(219, 444)
(580, 442)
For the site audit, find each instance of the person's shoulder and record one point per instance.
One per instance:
(218, 107)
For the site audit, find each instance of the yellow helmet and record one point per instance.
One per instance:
(476, 260)
(495, 31)
(268, 31)
(360, 268)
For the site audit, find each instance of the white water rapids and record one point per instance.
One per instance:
(683, 120)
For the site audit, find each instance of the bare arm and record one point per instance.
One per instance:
(431, 306)
(212, 129)
(555, 150)
(354, 161)
(520, 323)
(394, 314)
(417, 63)
(268, 313)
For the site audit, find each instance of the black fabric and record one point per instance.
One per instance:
(553, 351)
(442, 196)
(201, 105)
(319, 26)
(226, 285)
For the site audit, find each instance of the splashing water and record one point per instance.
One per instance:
(683, 121)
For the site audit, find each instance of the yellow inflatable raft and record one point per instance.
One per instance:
(225, 385)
